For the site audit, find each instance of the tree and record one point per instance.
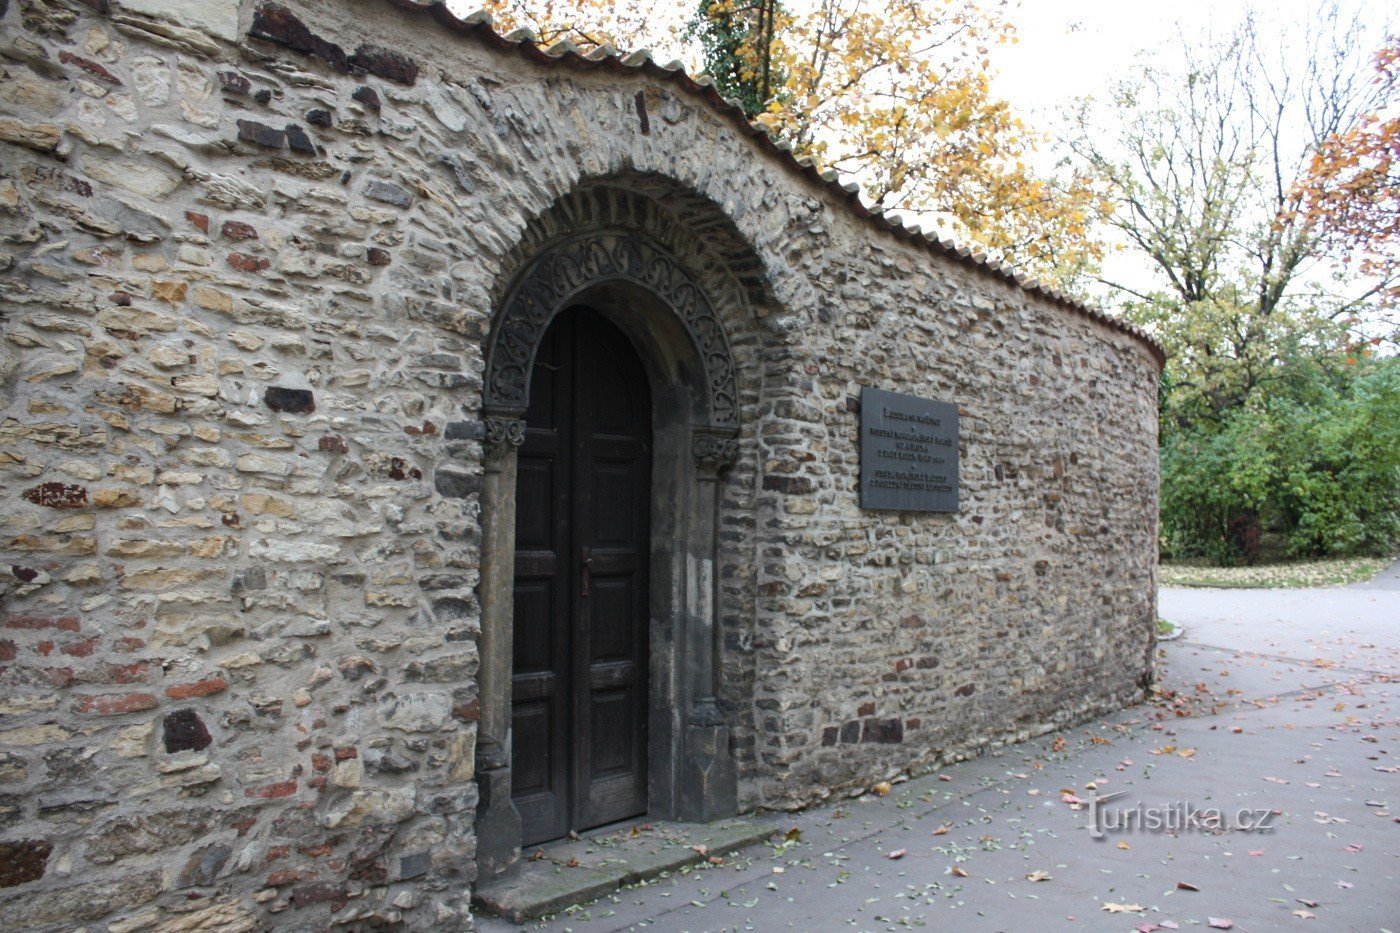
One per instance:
(737, 41)
(1351, 192)
(896, 95)
(1203, 159)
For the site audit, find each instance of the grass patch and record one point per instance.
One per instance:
(1335, 572)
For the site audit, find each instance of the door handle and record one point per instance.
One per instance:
(586, 564)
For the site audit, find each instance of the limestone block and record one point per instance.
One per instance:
(216, 17)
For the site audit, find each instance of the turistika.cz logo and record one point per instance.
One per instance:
(1176, 817)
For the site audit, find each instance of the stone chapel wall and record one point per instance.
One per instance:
(249, 255)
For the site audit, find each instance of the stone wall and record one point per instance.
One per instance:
(250, 254)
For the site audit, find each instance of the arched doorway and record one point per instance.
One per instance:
(653, 303)
(582, 549)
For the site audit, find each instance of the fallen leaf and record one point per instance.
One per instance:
(883, 788)
(1169, 925)
(793, 835)
(942, 830)
(955, 870)
(1220, 923)
(1256, 851)
(945, 777)
(703, 850)
(1307, 903)
(1354, 847)
(1124, 845)
(897, 854)
(1038, 876)
(1121, 908)
(1186, 886)
(1305, 914)
(572, 863)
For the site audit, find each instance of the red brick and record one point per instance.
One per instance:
(320, 762)
(80, 649)
(285, 876)
(200, 688)
(7, 650)
(346, 752)
(272, 791)
(308, 894)
(44, 648)
(63, 623)
(199, 220)
(114, 704)
(245, 263)
(238, 230)
(58, 495)
(138, 672)
(88, 65)
(59, 676)
(127, 644)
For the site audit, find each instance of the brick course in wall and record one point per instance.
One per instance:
(250, 254)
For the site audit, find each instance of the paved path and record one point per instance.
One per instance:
(1276, 700)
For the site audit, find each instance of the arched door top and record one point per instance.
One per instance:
(560, 272)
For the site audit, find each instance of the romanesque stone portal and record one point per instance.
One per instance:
(296, 583)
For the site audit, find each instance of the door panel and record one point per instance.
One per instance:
(541, 689)
(581, 606)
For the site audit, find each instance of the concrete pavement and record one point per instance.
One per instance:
(1280, 702)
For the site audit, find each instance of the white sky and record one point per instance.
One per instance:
(1073, 48)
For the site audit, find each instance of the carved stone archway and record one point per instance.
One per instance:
(646, 290)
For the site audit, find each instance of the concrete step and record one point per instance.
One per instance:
(560, 874)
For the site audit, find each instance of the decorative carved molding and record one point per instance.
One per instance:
(503, 435)
(714, 452)
(559, 273)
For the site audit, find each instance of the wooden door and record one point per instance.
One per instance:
(582, 541)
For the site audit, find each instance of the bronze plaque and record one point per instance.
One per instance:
(908, 453)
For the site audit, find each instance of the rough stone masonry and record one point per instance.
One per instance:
(250, 257)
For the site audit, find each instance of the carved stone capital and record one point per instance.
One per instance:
(503, 436)
(714, 452)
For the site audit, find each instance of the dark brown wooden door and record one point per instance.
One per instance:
(582, 537)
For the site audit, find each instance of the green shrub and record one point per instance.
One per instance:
(1317, 462)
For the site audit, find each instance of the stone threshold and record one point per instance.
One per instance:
(566, 872)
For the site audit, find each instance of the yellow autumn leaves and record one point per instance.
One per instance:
(895, 95)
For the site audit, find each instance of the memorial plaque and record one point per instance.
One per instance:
(908, 453)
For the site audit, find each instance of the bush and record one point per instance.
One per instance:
(1318, 464)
